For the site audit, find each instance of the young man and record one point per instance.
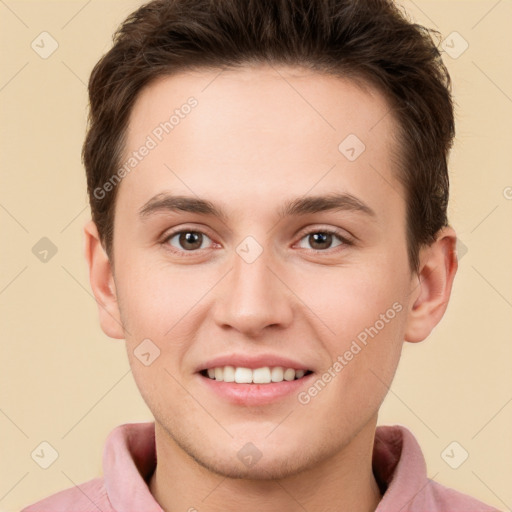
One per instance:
(268, 183)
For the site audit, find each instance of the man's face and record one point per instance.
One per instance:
(262, 281)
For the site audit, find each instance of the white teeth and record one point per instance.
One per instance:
(264, 375)
(261, 375)
(289, 374)
(242, 375)
(228, 374)
(299, 374)
(277, 374)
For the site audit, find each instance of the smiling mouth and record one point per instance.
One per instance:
(264, 375)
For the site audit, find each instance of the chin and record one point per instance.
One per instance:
(267, 468)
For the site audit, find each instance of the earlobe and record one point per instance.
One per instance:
(438, 266)
(102, 283)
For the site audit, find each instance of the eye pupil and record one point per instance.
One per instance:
(191, 240)
(320, 239)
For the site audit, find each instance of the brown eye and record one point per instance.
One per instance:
(187, 240)
(321, 240)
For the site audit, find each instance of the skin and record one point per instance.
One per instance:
(260, 136)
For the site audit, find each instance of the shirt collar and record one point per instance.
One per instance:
(398, 466)
(129, 460)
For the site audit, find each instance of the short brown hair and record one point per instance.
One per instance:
(368, 40)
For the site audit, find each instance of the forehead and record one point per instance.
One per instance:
(261, 129)
(262, 98)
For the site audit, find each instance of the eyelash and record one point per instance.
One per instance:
(327, 231)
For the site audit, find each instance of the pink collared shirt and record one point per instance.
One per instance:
(129, 459)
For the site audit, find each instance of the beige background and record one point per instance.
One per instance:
(65, 382)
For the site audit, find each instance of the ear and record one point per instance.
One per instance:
(438, 265)
(102, 283)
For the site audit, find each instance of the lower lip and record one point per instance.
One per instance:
(255, 394)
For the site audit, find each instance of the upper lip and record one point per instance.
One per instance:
(252, 362)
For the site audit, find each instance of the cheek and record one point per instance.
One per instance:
(365, 317)
(353, 299)
(161, 308)
(364, 356)
(154, 297)
(159, 385)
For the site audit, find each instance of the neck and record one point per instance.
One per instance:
(345, 479)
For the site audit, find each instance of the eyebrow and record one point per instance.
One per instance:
(164, 202)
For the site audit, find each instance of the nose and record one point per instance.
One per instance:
(253, 297)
